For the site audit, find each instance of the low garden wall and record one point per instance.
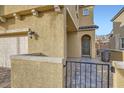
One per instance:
(37, 72)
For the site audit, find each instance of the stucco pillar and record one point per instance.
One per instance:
(118, 76)
(93, 48)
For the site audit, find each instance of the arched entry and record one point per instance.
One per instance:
(85, 45)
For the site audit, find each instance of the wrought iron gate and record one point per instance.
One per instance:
(87, 75)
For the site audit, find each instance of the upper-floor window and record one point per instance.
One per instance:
(121, 43)
(85, 12)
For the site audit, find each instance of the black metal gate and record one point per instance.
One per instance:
(87, 75)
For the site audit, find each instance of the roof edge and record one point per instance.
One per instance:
(88, 27)
(118, 14)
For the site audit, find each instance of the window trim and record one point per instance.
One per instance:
(120, 42)
(87, 11)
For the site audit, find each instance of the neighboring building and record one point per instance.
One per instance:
(117, 34)
(103, 42)
(55, 31)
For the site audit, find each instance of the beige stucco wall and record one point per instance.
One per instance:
(116, 55)
(118, 29)
(74, 43)
(86, 20)
(8, 9)
(74, 38)
(80, 19)
(112, 42)
(118, 79)
(1, 10)
(36, 74)
(118, 76)
(50, 28)
(72, 11)
(119, 18)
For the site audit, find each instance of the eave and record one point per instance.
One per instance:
(91, 27)
(118, 14)
(28, 11)
(85, 6)
(14, 33)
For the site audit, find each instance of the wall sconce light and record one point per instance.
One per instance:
(34, 12)
(57, 8)
(2, 19)
(17, 16)
(32, 33)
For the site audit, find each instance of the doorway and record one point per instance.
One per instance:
(86, 45)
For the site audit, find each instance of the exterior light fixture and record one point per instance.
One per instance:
(2, 19)
(17, 16)
(34, 12)
(32, 34)
(57, 8)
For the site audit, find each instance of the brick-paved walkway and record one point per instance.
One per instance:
(76, 77)
(5, 77)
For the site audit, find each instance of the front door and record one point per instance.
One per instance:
(85, 45)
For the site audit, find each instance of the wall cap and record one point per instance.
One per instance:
(115, 50)
(30, 57)
(118, 64)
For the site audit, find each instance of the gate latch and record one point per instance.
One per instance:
(112, 69)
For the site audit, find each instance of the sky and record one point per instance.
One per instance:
(102, 17)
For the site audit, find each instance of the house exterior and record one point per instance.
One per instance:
(117, 34)
(82, 42)
(54, 31)
(102, 42)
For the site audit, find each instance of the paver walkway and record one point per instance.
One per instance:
(4, 77)
(76, 77)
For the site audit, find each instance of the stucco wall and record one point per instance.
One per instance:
(118, 75)
(118, 79)
(50, 28)
(112, 42)
(116, 55)
(86, 20)
(16, 8)
(1, 10)
(36, 74)
(74, 43)
(118, 29)
(72, 11)
(80, 19)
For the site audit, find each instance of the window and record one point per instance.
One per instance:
(122, 43)
(85, 12)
